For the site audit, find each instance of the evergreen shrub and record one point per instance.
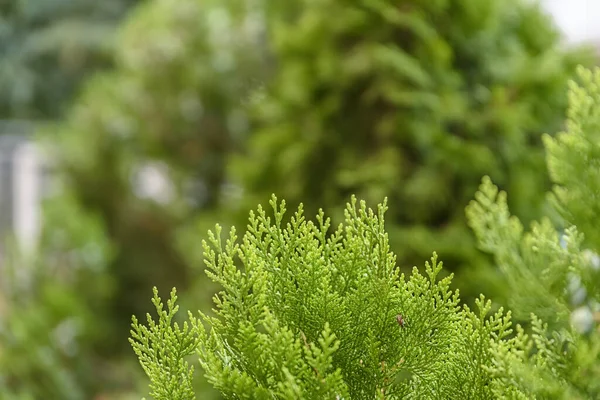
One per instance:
(312, 314)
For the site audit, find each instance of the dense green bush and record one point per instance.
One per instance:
(414, 101)
(312, 315)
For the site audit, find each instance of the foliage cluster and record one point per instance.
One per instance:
(555, 274)
(312, 315)
(308, 314)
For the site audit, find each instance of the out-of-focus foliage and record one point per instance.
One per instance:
(414, 101)
(47, 47)
(574, 159)
(54, 333)
(145, 143)
(552, 274)
(133, 154)
(53, 313)
(308, 315)
(550, 277)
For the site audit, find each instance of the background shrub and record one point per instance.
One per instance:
(415, 102)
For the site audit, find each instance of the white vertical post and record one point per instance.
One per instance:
(26, 196)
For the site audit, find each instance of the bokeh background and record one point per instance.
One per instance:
(128, 128)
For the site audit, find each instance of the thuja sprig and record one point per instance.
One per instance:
(310, 312)
(162, 348)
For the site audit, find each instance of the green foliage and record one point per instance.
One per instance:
(193, 79)
(48, 47)
(171, 108)
(553, 275)
(574, 158)
(51, 322)
(40, 336)
(315, 315)
(161, 349)
(539, 271)
(535, 259)
(415, 102)
(167, 104)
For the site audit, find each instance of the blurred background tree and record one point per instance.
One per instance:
(413, 101)
(48, 47)
(53, 304)
(146, 142)
(53, 327)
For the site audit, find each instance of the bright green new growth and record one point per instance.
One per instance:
(308, 315)
(574, 158)
(549, 274)
(537, 268)
(535, 259)
(161, 348)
